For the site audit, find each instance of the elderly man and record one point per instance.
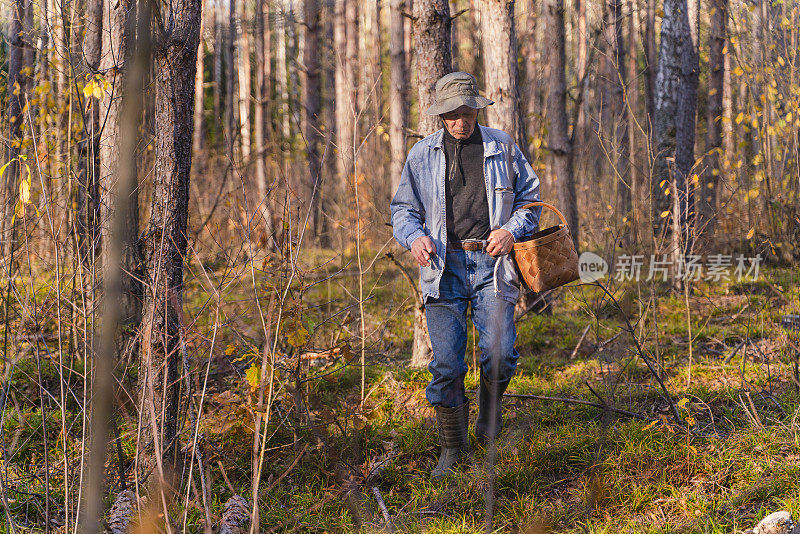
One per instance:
(457, 209)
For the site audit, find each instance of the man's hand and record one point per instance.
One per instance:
(500, 242)
(422, 249)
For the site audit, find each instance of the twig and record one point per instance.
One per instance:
(735, 350)
(580, 342)
(570, 400)
(286, 472)
(665, 391)
(384, 510)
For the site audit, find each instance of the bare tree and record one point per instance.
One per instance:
(174, 57)
(398, 91)
(500, 69)
(432, 45)
(559, 140)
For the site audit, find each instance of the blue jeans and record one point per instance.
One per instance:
(468, 279)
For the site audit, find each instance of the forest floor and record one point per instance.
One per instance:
(732, 458)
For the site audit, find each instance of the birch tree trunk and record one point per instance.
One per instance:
(707, 205)
(667, 85)
(432, 46)
(243, 74)
(683, 216)
(559, 141)
(398, 91)
(175, 57)
(500, 70)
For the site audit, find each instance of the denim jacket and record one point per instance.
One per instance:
(418, 207)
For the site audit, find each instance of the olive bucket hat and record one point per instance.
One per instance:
(455, 90)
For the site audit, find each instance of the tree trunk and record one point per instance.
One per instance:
(500, 69)
(18, 79)
(651, 69)
(432, 46)
(668, 80)
(282, 75)
(533, 82)
(174, 58)
(118, 38)
(312, 96)
(197, 141)
(87, 194)
(632, 94)
(219, 58)
(262, 117)
(620, 117)
(707, 205)
(559, 141)
(243, 74)
(345, 42)
(683, 216)
(230, 86)
(398, 91)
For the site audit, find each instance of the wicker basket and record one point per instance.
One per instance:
(548, 259)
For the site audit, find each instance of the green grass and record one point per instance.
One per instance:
(560, 467)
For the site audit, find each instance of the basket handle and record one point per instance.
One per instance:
(546, 205)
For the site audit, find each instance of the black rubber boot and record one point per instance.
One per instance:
(453, 424)
(490, 418)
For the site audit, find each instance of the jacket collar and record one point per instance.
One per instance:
(490, 142)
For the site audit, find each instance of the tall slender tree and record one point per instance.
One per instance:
(559, 140)
(87, 194)
(174, 58)
(262, 116)
(118, 36)
(312, 98)
(398, 91)
(620, 103)
(432, 45)
(717, 39)
(243, 75)
(19, 65)
(500, 69)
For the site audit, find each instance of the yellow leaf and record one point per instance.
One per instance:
(662, 183)
(751, 233)
(3, 168)
(683, 402)
(230, 349)
(253, 376)
(738, 71)
(97, 92)
(88, 89)
(664, 214)
(298, 336)
(739, 118)
(650, 425)
(690, 421)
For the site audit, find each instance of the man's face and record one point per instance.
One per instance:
(461, 122)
